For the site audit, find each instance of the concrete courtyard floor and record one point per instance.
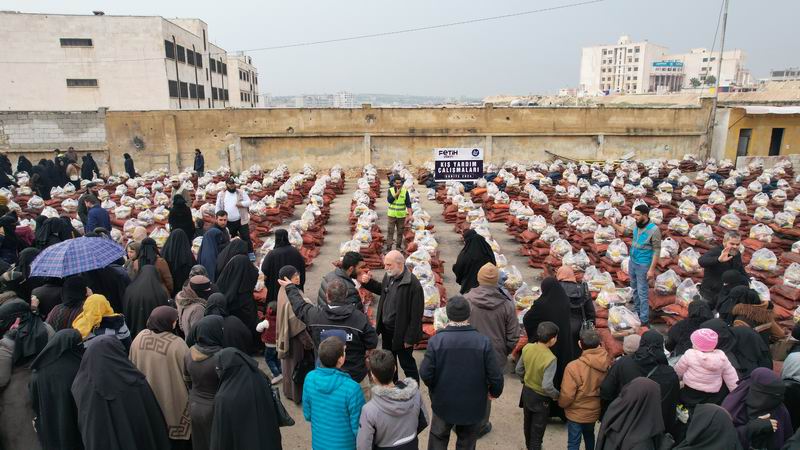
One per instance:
(506, 415)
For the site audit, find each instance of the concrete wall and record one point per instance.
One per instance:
(762, 125)
(353, 137)
(36, 134)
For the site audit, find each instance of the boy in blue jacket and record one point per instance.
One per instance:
(332, 401)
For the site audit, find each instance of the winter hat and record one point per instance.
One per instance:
(457, 309)
(631, 343)
(488, 275)
(704, 339)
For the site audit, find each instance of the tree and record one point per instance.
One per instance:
(695, 82)
(711, 80)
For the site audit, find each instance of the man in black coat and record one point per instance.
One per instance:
(199, 161)
(338, 317)
(462, 375)
(399, 316)
(717, 261)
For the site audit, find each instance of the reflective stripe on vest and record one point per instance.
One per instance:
(397, 208)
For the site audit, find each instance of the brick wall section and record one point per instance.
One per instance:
(36, 133)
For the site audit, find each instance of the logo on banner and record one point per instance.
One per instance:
(458, 164)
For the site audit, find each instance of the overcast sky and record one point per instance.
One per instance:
(536, 53)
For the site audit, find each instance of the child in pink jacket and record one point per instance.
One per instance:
(703, 370)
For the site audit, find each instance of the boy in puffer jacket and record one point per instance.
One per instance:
(703, 370)
(395, 414)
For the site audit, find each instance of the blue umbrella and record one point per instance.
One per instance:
(76, 256)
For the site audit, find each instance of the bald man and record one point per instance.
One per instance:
(399, 315)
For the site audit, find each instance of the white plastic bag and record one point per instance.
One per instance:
(679, 225)
(764, 259)
(792, 275)
(688, 260)
(622, 322)
(525, 296)
(667, 282)
(761, 289)
(686, 293)
(617, 250)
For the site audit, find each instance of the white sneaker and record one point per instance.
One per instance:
(277, 379)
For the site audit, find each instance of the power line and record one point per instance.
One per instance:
(425, 28)
(341, 39)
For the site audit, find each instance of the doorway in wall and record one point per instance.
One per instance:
(775, 142)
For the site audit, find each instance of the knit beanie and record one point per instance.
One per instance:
(488, 275)
(631, 343)
(457, 309)
(704, 339)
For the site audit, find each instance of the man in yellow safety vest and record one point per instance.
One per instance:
(399, 207)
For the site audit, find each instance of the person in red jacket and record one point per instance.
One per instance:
(268, 328)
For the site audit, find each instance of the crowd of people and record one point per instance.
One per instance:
(156, 350)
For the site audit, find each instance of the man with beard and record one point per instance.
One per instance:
(83, 210)
(716, 262)
(199, 162)
(645, 250)
(236, 202)
(353, 267)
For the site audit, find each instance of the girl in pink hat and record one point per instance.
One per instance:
(704, 369)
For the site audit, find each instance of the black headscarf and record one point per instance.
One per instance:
(244, 413)
(129, 167)
(50, 233)
(24, 165)
(208, 335)
(67, 230)
(710, 428)
(632, 419)
(553, 306)
(730, 280)
(217, 305)
(209, 249)
(473, 256)
(73, 291)
(651, 350)
(31, 335)
(145, 294)
(235, 247)
(116, 407)
(180, 217)
(148, 253)
(110, 282)
(26, 284)
(53, 372)
(652, 362)
(236, 334)
(284, 254)
(179, 258)
(237, 282)
(162, 319)
(9, 224)
(759, 394)
(743, 295)
(678, 337)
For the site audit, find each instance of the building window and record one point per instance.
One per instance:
(192, 90)
(190, 57)
(181, 54)
(184, 90)
(637, 49)
(634, 86)
(213, 64)
(225, 96)
(214, 93)
(173, 88)
(201, 91)
(713, 58)
(81, 82)
(76, 42)
(198, 60)
(705, 59)
(224, 69)
(169, 49)
(636, 60)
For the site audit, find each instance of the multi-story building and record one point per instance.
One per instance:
(344, 100)
(84, 62)
(620, 68)
(788, 74)
(700, 64)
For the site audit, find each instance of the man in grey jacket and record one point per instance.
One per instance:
(396, 414)
(494, 316)
(353, 266)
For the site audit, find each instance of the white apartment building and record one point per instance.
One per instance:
(788, 74)
(344, 100)
(623, 67)
(58, 62)
(700, 64)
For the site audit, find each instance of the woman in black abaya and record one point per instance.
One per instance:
(237, 282)
(678, 335)
(116, 407)
(24, 285)
(180, 217)
(742, 345)
(473, 256)
(234, 248)
(145, 294)
(284, 254)
(177, 253)
(201, 363)
(632, 420)
(244, 412)
(209, 250)
(710, 428)
(725, 302)
(24, 165)
(236, 334)
(110, 283)
(54, 370)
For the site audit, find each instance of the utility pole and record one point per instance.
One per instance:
(713, 118)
